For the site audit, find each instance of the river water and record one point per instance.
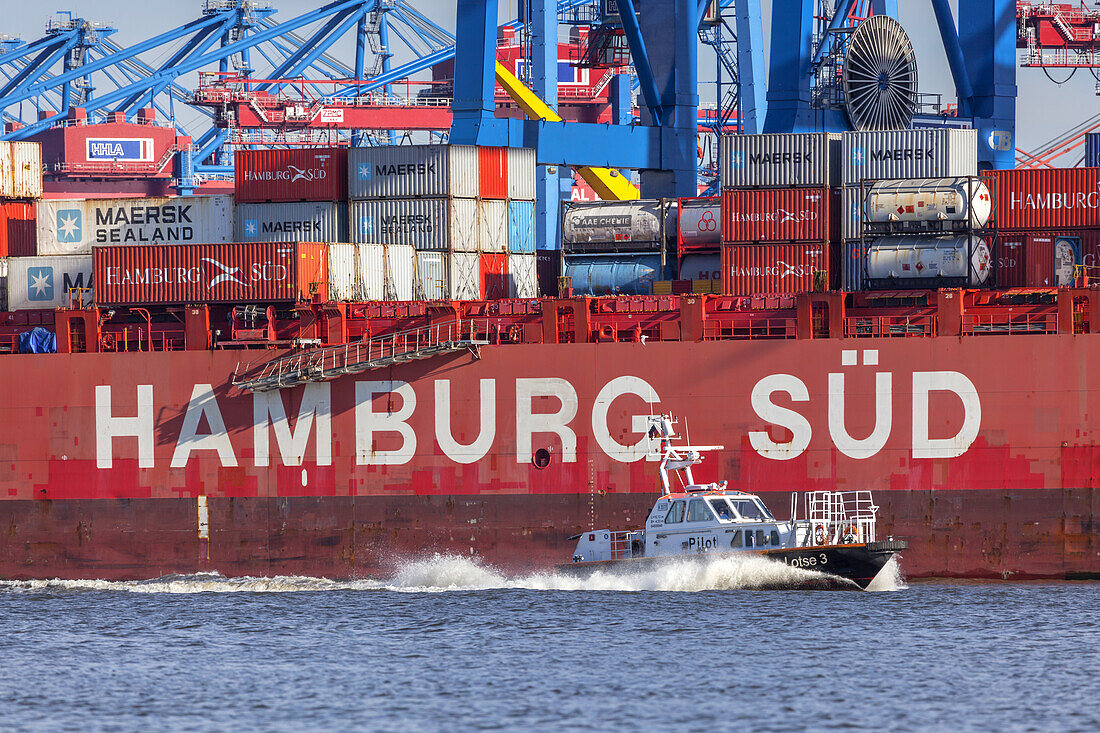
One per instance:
(450, 645)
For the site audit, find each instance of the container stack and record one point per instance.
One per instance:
(20, 191)
(616, 247)
(698, 246)
(467, 212)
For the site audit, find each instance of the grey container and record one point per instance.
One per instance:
(413, 170)
(922, 153)
(851, 212)
(431, 275)
(1092, 150)
(441, 224)
(851, 271)
(780, 160)
(292, 222)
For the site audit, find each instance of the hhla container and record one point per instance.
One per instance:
(413, 170)
(293, 174)
(210, 273)
(775, 214)
(492, 224)
(521, 227)
(49, 282)
(522, 276)
(755, 269)
(74, 226)
(321, 221)
(442, 224)
(1046, 199)
(18, 228)
(779, 160)
(20, 170)
(921, 153)
(356, 272)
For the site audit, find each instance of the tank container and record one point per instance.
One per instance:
(701, 267)
(960, 257)
(611, 225)
(403, 171)
(322, 221)
(779, 160)
(46, 281)
(920, 153)
(604, 275)
(699, 222)
(441, 224)
(966, 201)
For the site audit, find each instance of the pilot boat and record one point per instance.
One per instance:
(836, 536)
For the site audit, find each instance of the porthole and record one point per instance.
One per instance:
(541, 459)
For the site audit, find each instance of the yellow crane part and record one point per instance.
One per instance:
(608, 183)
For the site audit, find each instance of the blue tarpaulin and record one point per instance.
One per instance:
(37, 341)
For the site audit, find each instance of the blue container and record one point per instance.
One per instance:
(614, 275)
(852, 267)
(1092, 150)
(521, 227)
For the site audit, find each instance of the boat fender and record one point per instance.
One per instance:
(849, 535)
(819, 535)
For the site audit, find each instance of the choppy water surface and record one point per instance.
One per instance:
(447, 644)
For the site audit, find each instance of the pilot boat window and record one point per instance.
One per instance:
(736, 541)
(722, 509)
(775, 538)
(698, 512)
(751, 510)
(759, 538)
(675, 514)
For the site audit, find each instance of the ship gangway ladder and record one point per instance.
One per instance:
(333, 362)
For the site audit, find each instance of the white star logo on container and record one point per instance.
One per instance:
(40, 283)
(68, 227)
(364, 173)
(250, 227)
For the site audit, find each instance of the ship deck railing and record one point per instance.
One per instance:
(1005, 323)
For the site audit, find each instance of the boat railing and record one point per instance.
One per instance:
(841, 517)
(621, 547)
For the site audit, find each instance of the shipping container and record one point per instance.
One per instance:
(291, 174)
(699, 223)
(400, 272)
(74, 226)
(1046, 199)
(751, 269)
(618, 225)
(851, 212)
(210, 273)
(1031, 259)
(927, 261)
(775, 215)
(403, 171)
(779, 160)
(610, 275)
(521, 174)
(3, 284)
(935, 203)
(548, 269)
(852, 266)
(1092, 150)
(464, 276)
(299, 221)
(492, 226)
(701, 267)
(20, 170)
(921, 153)
(492, 172)
(522, 276)
(356, 272)
(494, 276)
(18, 228)
(49, 282)
(441, 224)
(521, 227)
(432, 270)
(1010, 261)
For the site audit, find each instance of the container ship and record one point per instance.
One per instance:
(357, 355)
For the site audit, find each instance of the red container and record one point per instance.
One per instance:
(1045, 260)
(753, 269)
(1009, 256)
(494, 276)
(18, 228)
(209, 273)
(297, 174)
(492, 173)
(1046, 199)
(775, 215)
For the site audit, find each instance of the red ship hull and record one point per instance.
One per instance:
(979, 451)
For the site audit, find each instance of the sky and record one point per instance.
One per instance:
(1044, 109)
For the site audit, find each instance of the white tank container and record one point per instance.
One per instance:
(700, 222)
(964, 200)
(920, 153)
(930, 258)
(46, 281)
(522, 276)
(701, 267)
(492, 225)
(642, 220)
(441, 224)
(412, 170)
(400, 272)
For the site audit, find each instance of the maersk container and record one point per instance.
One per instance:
(752, 269)
(257, 272)
(699, 222)
(1046, 199)
(521, 174)
(779, 160)
(442, 224)
(494, 275)
(492, 225)
(701, 267)
(291, 174)
(603, 275)
(851, 212)
(522, 276)
(521, 227)
(73, 226)
(609, 225)
(959, 258)
(393, 171)
(431, 275)
(1092, 149)
(322, 221)
(921, 153)
(400, 272)
(20, 170)
(356, 272)
(48, 282)
(852, 267)
(18, 228)
(464, 276)
(934, 200)
(775, 215)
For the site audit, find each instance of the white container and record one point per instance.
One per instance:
(960, 200)
(412, 170)
(523, 279)
(356, 272)
(700, 222)
(20, 170)
(521, 174)
(73, 226)
(464, 276)
(400, 272)
(441, 224)
(922, 153)
(46, 282)
(431, 275)
(701, 267)
(929, 259)
(779, 160)
(292, 222)
(492, 225)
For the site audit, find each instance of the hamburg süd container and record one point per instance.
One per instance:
(391, 171)
(73, 226)
(494, 276)
(492, 225)
(752, 269)
(49, 281)
(521, 174)
(898, 260)
(297, 221)
(432, 269)
(20, 170)
(521, 227)
(356, 272)
(1029, 259)
(608, 226)
(1046, 199)
(492, 172)
(18, 228)
(522, 276)
(400, 272)
(775, 215)
(779, 160)
(292, 174)
(701, 267)
(611, 275)
(443, 224)
(921, 153)
(933, 202)
(210, 273)
(699, 223)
